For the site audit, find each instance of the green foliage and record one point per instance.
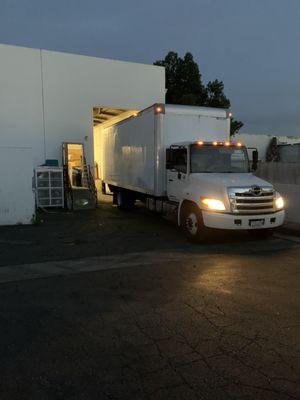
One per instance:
(215, 95)
(235, 126)
(184, 86)
(183, 80)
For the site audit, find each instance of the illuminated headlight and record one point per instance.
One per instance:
(279, 202)
(213, 204)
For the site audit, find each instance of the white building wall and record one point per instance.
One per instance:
(16, 195)
(74, 84)
(262, 141)
(21, 112)
(46, 98)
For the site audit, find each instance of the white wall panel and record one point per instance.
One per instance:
(46, 98)
(21, 113)
(74, 84)
(16, 195)
(262, 141)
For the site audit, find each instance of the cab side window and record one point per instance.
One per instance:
(178, 160)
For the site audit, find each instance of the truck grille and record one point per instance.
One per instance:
(253, 200)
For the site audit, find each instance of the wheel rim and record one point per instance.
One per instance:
(191, 223)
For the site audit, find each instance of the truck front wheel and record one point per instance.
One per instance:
(192, 223)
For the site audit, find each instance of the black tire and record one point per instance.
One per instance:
(124, 200)
(261, 234)
(192, 225)
(69, 201)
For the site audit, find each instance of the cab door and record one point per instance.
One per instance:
(177, 170)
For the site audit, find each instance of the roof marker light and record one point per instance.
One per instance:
(227, 144)
(200, 142)
(239, 144)
(215, 143)
(229, 114)
(158, 109)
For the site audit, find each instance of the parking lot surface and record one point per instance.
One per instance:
(111, 305)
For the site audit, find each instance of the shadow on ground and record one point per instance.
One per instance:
(106, 231)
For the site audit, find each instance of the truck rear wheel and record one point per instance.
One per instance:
(69, 201)
(192, 223)
(124, 200)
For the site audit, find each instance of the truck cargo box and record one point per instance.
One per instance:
(134, 150)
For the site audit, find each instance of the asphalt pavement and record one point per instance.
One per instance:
(110, 305)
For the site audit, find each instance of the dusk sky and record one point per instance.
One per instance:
(252, 45)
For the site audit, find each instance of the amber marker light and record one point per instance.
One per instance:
(158, 109)
(239, 144)
(200, 142)
(215, 143)
(227, 144)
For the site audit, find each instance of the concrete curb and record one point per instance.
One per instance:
(23, 272)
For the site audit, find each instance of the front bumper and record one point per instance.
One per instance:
(237, 221)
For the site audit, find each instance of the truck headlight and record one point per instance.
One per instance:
(213, 204)
(279, 202)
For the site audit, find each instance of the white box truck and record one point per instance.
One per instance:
(179, 160)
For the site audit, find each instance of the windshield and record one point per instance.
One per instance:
(218, 159)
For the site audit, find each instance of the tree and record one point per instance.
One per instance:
(235, 126)
(273, 150)
(183, 80)
(215, 95)
(184, 86)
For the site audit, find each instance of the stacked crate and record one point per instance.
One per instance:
(49, 187)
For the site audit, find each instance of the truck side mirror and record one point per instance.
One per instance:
(254, 160)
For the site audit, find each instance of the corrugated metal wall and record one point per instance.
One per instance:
(286, 179)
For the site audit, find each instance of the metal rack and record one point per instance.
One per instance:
(49, 185)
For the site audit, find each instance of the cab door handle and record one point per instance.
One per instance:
(170, 180)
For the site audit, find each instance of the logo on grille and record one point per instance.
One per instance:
(256, 190)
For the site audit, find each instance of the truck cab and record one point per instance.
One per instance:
(214, 187)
